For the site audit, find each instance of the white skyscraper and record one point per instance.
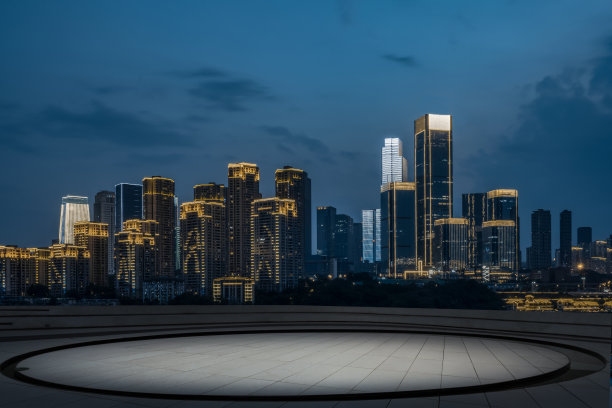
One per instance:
(394, 165)
(74, 209)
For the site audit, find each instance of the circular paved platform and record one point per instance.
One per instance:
(294, 364)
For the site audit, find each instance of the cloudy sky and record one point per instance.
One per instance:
(93, 93)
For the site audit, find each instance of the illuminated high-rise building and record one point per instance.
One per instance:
(540, 252)
(584, 238)
(159, 205)
(40, 257)
(451, 244)
(135, 256)
(128, 204)
(499, 245)
(326, 224)
(209, 192)
(203, 245)
(275, 254)
(394, 165)
(433, 153)
(177, 236)
(68, 270)
(474, 211)
(565, 239)
(242, 190)
(74, 209)
(94, 237)
(398, 228)
(17, 270)
(294, 184)
(344, 243)
(104, 212)
(371, 235)
(502, 204)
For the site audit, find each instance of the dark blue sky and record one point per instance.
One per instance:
(93, 93)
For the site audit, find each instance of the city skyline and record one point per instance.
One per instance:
(184, 115)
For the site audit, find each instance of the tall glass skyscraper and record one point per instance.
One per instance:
(474, 211)
(128, 204)
(565, 239)
(433, 163)
(394, 165)
(104, 212)
(159, 204)
(371, 235)
(397, 223)
(502, 204)
(74, 209)
(326, 224)
(539, 253)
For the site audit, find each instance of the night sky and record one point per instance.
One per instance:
(93, 93)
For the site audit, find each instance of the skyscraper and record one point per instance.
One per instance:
(565, 239)
(74, 209)
(275, 256)
(68, 270)
(209, 192)
(371, 235)
(540, 252)
(294, 184)
(177, 236)
(502, 204)
(394, 165)
(159, 205)
(242, 190)
(128, 204)
(585, 237)
(203, 244)
(398, 228)
(499, 245)
(344, 243)
(433, 152)
(474, 211)
(326, 224)
(17, 270)
(451, 244)
(94, 237)
(104, 212)
(136, 256)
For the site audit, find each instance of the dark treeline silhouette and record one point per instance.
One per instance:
(361, 290)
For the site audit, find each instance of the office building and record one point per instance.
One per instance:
(584, 238)
(394, 165)
(128, 204)
(159, 205)
(203, 245)
(294, 184)
(177, 237)
(499, 245)
(344, 244)
(474, 211)
(74, 209)
(233, 290)
(398, 228)
(433, 152)
(135, 256)
(565, 239)
(275, 254)
(94, 237)
(40, 257)
(502, 204)
(540, 252)
(326, 225)
(104, 212)
(451, 244)
(17, 272)
(242, 190)
(371, 235)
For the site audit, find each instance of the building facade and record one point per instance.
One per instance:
(433, 152)
(68, 270)
(326, 225)
(275, 254)
(565, 239)
(203, 245)
(394, 165)
(74, 209)
(94, 237)
(371, 235)
(128, 204)
(135, 256)
(209, 192)
(451, 244)
(242, 190)
(502, 204)
(159, 205)
(398, 246)
(474, 211)
(499, 245)
(104, 212)
(540, 251)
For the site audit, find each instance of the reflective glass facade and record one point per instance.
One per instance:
(502, 204)
(394, 165)
(128, 204)
(74, 209)
(371, 235)
(474, 211)
(398, 228)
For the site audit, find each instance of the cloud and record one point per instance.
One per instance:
(289, 142)
(231, 95)
(405, 60)
(204, 72)
(99, 123)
